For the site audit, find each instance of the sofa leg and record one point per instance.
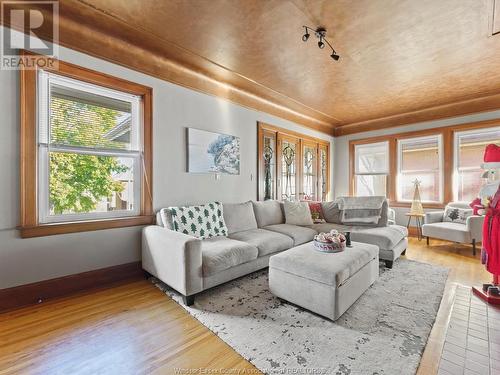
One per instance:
(427, 240)
(404, 252)
(188, 300)
(389, 263)
(474, 247)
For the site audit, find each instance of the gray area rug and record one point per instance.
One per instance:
(384, 332)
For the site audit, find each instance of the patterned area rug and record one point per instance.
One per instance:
(384, 332)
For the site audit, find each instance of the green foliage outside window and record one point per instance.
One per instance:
(77, 182)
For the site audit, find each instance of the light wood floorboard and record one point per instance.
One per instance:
(135, 328)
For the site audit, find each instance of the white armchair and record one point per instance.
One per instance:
(470, 232)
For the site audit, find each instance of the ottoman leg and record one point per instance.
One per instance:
(188, 300)
(389, 263)
(404, 252)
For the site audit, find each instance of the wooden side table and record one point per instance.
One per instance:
(419, 220)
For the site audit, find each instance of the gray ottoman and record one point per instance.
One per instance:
(327, 284)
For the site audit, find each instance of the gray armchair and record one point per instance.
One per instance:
(470, 232)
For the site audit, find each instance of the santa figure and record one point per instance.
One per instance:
(490, 252)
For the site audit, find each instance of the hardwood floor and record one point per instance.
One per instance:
(135, 329)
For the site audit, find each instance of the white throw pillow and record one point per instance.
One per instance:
(298, 213)
(456, 215)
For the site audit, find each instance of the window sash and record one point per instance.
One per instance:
(357, 187)
(44, 215)
(439, 169)
(376, 171)
(45, 80)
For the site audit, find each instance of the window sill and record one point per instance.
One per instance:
(84, 226)
(408, 205)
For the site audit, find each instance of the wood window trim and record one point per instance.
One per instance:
(29, 225)
(280, 134)
(448, 136)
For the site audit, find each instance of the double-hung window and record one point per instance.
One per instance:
(86, 151)
(420, 159)
(469, 152)
(89, 147)
(371, 167)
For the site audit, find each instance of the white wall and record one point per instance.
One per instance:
(341, 157)
(174, 108)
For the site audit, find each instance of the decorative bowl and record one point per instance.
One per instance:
(332, 242)
(329, 247)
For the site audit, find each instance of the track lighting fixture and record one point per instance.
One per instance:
(320, 33)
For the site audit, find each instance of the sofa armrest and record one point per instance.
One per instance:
(433, 217)
(475, 227)
(175, 258)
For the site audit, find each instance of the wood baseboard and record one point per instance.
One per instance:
(39, 292)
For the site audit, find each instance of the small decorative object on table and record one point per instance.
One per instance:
(332, 242)
(347, 239)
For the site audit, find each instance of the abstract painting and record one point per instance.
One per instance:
(210, 152)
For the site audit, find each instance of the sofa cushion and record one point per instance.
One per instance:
(330, 269)
(203, 221)
(297, 213)
(266, 241)
(316, 212)
(239, 217)
(300, 235)
(384, 237)
(221, 253)
(447, 231)
(331, 212)
(268, 213)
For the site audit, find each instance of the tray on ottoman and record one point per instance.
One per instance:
(327, 284)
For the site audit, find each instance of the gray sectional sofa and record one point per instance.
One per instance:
(256, 231)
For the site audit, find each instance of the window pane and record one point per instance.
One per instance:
(288, 170)
(269, 167)
(309, 173)
(429, 186)
(323, 183)
(78, 118)
(87, 183)
(469, 184)
(372, 158)
(371, 185)
(420, 154)
(472, 145)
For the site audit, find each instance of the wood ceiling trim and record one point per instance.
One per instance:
(205, 77)
(466, 107)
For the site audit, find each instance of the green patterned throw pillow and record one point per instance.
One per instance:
(202, 221)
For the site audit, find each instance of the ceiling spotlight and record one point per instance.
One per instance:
(320, 33)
